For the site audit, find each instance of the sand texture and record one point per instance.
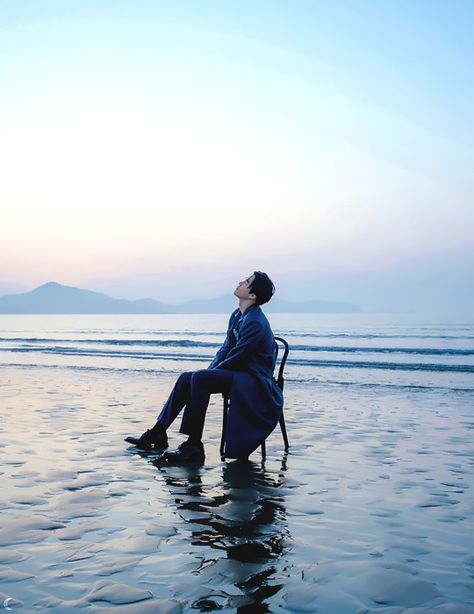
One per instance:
(371, 511)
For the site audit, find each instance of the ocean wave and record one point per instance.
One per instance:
(322, 335)
(392, 366)
(190, 343)
(385, 350)
(125, 342)
(65, 351)
(303, 362)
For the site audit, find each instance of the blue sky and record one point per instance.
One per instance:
(165, 149)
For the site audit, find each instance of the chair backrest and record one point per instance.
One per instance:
(280, 379)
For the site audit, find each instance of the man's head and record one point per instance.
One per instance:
(258, 287)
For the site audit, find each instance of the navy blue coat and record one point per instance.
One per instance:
(256, 400)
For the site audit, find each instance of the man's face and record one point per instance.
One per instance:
(243, 288)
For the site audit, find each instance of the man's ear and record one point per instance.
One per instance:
(252, 296)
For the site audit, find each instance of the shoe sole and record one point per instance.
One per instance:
(134, 442)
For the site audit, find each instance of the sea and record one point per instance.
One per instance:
(361, 349)
(370, 511)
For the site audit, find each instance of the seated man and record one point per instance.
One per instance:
(243, 370)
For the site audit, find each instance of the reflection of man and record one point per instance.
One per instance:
(255, 533)
(243, 369)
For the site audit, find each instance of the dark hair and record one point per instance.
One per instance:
(262, 286)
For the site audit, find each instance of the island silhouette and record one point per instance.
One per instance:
(56, 298)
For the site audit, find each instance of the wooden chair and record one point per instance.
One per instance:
(280, 381)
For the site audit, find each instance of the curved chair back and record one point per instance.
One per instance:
(280, 379)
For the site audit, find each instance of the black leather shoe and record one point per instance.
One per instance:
(186, 454)
(149, 438)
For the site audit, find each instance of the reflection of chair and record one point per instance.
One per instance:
(280, 381)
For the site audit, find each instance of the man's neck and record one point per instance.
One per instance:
(245, 303)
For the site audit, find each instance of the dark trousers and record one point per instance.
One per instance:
(192, 392)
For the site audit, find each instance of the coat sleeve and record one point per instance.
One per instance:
(224, 349)
(251, 334)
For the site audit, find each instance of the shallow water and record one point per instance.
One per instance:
(371, 511)
(375, 349)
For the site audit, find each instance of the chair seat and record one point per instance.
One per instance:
(280, 381)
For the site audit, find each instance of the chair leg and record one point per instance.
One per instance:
(283, 432)
(224, 426)
(263, 446)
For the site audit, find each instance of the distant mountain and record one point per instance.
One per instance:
(224, 304)
(55, 298)
(278, 305)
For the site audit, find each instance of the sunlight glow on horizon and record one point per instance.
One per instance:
(140, 140)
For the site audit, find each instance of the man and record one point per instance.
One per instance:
(243, 370)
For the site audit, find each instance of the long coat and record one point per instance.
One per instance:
(256, 400)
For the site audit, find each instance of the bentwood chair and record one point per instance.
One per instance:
(280, 381)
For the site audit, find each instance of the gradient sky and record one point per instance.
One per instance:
(167, 149)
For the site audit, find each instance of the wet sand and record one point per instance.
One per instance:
(371, 511)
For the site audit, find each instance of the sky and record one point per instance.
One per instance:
(167, 149)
